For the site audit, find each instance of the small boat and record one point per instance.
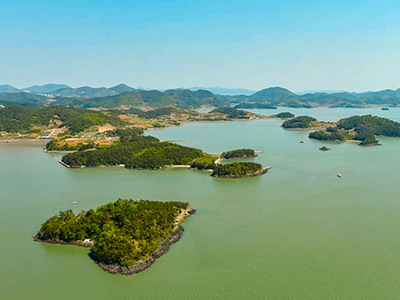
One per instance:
(74, 202)
(385, 108)
(339, 175)
(301, 142)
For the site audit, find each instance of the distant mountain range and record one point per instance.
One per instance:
(6, 88)
(224, 91)
(44, 89)
(64, 90)
(123, 95)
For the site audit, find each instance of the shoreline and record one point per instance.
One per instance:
(141, 265)
(24, 141)
(122, 165)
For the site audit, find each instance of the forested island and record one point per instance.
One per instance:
(239, 154)
(300, 122)
(359, 128)
(125, 236)
(239, 170)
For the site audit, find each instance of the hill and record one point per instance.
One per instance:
(121, 88)
(6, 88)
(45, 89)
(124, 95)
(19, 98)
(85, 91)
(147, 99)
(273, 95)
(225, 91)
(90, 92)
(21, 119)
(188, 98)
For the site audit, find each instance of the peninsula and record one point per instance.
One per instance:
(131, 149)
(125, 236)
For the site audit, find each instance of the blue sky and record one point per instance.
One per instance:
(301, 45)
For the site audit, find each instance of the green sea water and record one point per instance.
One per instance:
(298, 232)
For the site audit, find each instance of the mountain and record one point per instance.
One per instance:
(319, 91)
(224, 91)
(126, 96)
(277, 96)
(6, 88)
(121, 88)
(85, 91)
(150, 99)
(188, 98)
(18, 98)
(272, 94)
(89, 92)
(127, 99)
(45, 89)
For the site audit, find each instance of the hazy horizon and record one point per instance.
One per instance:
(195, 88)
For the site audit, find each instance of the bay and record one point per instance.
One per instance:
(298, 232)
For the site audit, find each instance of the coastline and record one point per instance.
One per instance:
(141, 265)
(122, 165)
(24, 141)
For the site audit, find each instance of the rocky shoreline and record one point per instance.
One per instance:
(174, 236)
(142, 265)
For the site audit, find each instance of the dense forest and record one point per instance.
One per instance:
(299, 122)
(135, 151)
(179, 98)
(375, 125)
(285, 115)
(20, 119)
(207, 162)
(239, 153)
(331, 134)
(123, 232)
(237, 170)
(360, 128)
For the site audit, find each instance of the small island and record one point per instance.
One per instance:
(125, 236)
(239, 154)
(285, 115)
(300, 122)
(239, 170)
(324, 148)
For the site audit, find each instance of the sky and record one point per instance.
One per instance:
(301, 45)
